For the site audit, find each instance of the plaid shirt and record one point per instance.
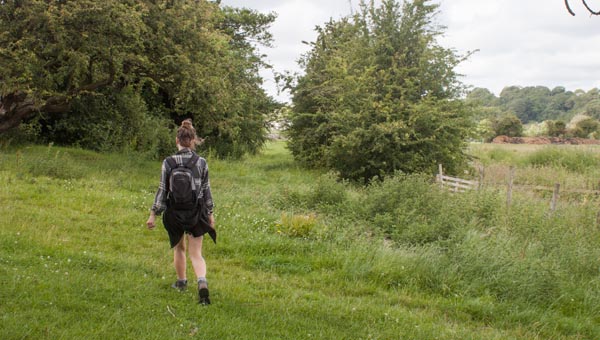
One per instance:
(182, 157)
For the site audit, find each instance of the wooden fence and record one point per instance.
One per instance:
(455, 184)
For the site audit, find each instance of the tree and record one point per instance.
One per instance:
(485, 129)
(481, 97)
(45, 64)
(508, 125)
(183, 58)
(380, 95)
(534, 103)
(583, 126)
(556, 128)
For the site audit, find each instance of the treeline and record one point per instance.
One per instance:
(116, 75)
(378, 93)
(536, 111)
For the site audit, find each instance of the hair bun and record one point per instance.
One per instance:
(187, 123)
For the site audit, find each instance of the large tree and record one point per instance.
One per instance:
(379, 95)
(190, 58)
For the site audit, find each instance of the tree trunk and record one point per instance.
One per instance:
(18, 106)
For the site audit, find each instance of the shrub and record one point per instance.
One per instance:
(111, 122)
(298, 225)
(410, 210)
(509, 125)
(556, 128)
(327, 191)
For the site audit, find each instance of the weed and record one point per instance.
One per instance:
(296, 225)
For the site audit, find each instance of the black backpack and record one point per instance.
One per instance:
(181, 188)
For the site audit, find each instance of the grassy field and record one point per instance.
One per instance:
(300, 255)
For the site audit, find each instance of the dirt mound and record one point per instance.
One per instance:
(543, 140)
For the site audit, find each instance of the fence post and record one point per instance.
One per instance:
(441, 174)
(511, 177)
(481, 176)
(555, 196)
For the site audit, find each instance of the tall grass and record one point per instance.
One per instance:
(300, 255)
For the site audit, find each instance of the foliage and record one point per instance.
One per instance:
(575, 160)
(493, 275)
(586, 128)
(295, 225)
(535, 103)
(162, 60)
(412, 212)
(485, 130)
(556, 128)
(508, 125)
(379, 95)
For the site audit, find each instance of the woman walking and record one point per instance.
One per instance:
(185, 198)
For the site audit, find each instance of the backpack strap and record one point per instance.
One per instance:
(193, 160)
(190, 164)
(172, 163)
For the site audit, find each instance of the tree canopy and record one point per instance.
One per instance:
(165, 60)
(535, 103)
(380, 95)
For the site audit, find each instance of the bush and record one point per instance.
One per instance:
(556, 128)
(295, 225)
(586, 128)
(410, 210)
(509, 125)
(111, 122)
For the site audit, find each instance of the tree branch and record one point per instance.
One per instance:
(14, 107)
(19, 105)
(586, 6)
(589, 9)
(98, 84)
(569, 8)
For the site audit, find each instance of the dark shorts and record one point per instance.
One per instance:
(193, 222)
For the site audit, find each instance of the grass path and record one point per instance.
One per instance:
(76, 262)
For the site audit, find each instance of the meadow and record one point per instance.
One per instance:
(300, 255)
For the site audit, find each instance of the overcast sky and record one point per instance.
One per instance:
(524, 43)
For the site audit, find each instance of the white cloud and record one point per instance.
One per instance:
(525, 43)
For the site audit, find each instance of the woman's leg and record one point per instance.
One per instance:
(195, 250)
(199, 265)
(179, 259)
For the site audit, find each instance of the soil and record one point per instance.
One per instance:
(544, 140)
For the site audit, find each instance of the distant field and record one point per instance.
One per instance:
(300, 254)
(528, 148)
(573, 166)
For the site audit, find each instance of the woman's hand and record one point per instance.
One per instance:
(151, 223)
(211, 219)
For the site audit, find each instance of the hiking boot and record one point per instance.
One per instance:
(180, 285)
(203, 293)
